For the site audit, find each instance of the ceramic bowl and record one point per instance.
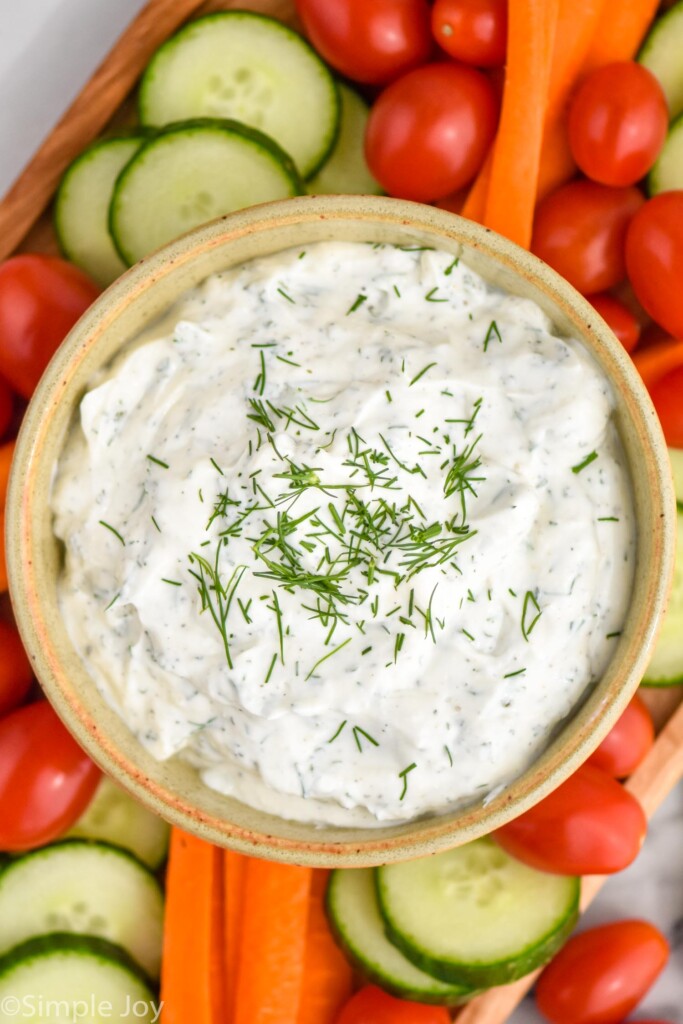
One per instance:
(173, 789)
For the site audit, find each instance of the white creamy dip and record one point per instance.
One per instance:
(350, 530)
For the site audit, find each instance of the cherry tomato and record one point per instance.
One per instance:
(46, 780)
(602, 974)
(372, 42)
(618, 120)
(667, 398)
(580, 231)
(370, 1005)
(429, 132)
(627, 742)
(618, 317)
(15, 669)
(654, 257)
(6, 406)
(590, 825)
(474, 31)
(41, 298)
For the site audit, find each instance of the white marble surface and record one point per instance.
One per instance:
(48, 48)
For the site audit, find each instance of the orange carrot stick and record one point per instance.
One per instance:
(6, 453)
(192, 971)
(517, 149)
(270, 972)
(577, 26)
(474, 207)
(655, 361)
(327, 972)
(234, 874)
(620, 32)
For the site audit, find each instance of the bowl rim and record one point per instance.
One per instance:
(417, 837)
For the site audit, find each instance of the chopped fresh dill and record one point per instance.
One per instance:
(611, 635)
(112, 602)
(328, 655)
(290, 362)
(585, 462)
(450, 757)
(158, 462)
(260, 382)
(492, 333)
(284, 295)
(468, 635)
(511, 591)
(270, 670)
(216, 597)
(397, 291)
(357, 304)
(451, 267)
(244, 608)
(171, 583)
(112, 530)
(404, 775)
(337, 733)
(216, 467)
(155, 523)
(302, 254)
(429, 297)
(421, 374)
(510, 675)
(357, 732)
(608, 519)
(388, 396)
(530, 602)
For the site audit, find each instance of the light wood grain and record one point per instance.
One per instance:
(87, 116)
(651, 783)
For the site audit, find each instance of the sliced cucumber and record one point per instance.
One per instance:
(73, 978)
(474, 915)
(191, 173)
(82, 207)
(249, 68)
(86, 888)
(356, 921)
(662, 54)
(346, 171)
(666, 666)
(114, 817)
(667, 173)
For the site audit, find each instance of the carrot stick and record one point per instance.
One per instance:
(270, 972)
(474, 207)
(620, 32)
(517, 149)
(6, 453)
(327, 972)
(655, 361)
(234, 873)
(192, 971)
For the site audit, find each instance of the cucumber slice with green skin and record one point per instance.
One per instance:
(73, 978)
(82, 207)
(666, 666)
(249, 68)
(476, 916)
(86, 888)
(661, 54)
(667, 173)
(357, 923)
(114, 817)
(346, 171)
(191, 173)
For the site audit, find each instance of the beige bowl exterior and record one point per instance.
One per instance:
(173, 789)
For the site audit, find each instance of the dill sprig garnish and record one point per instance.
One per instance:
(328, 655)
(216, 597)
(530, 602)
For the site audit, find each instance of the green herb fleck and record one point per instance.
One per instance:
(404, 775)
(492, 333)
(333, 738)
(112, 530)
(530, 602)
(357, 304)
(158, 462)
(586, 462)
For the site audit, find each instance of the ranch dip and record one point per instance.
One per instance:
(350, 530)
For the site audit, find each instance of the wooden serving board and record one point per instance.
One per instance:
(26, 225)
